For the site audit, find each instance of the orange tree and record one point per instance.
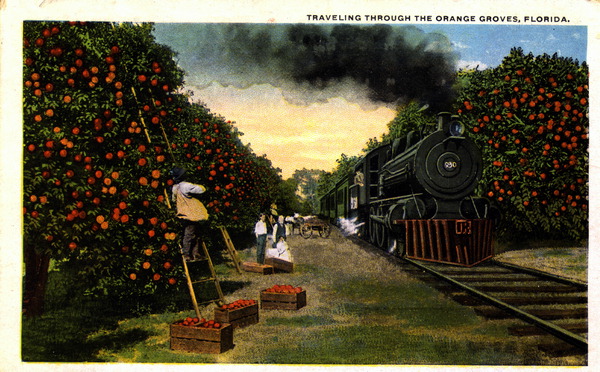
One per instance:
(103, 124)
(529, 116)
(239, 183)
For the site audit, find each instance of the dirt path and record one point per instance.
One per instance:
(324, 268)
(323, 262)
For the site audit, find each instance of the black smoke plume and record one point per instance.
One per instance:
(379, 64)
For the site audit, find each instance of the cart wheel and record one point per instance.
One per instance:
(306, 231)
(325, 231)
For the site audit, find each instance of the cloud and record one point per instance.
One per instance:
(462, 64)
(459, 45)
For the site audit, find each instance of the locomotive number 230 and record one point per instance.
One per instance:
(463, 227)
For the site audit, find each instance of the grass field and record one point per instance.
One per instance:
(568, 262)
(362, 310)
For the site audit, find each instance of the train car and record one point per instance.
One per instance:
(335, 204)
(414, 197)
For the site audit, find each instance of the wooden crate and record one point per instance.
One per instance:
(201, 340)
(238, 318)
(257, 268)
(280, 265)
(282, 301)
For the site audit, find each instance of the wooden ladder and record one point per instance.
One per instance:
(231, 249)
(213, 275)
(211, 278)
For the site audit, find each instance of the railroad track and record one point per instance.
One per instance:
(553, 308)
(548, 303)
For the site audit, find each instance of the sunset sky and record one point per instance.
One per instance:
(298, 126)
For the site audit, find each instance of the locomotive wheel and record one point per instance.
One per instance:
(372, 228)
(306, 231)
(325, 231)
(382, 234)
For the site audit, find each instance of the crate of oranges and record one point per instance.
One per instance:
(239, 313)
(201, 336)
(283, 297)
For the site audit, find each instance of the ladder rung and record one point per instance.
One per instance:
(198, 260)
(204, 280)
(208, 301)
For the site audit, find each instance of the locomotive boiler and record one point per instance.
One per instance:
(415, 197)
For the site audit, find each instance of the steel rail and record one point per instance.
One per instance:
(563, 334)
(541, 274)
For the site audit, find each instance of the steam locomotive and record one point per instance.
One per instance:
(413, 197)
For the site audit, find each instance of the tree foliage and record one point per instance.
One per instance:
(409, 117)
(287, 199)
(307, 180)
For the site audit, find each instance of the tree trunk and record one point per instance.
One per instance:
(36, 280)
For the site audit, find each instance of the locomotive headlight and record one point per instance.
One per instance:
(450, 125)
(456, 129)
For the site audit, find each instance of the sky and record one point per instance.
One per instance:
(304, 109)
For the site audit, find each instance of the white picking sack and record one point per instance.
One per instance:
(280, 251)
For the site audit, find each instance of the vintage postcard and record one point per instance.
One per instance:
(371, 185)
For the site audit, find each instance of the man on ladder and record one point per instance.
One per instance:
(191, 212)
(192, 215)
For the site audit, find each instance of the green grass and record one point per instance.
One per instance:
(411, 305)
(537, 242)
(61, 335)
(571, 262)
(383, 345)
(300, 321)
(77, 328)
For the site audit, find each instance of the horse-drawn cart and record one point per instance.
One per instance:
(308, 226)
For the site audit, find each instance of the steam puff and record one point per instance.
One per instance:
(370, 65)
